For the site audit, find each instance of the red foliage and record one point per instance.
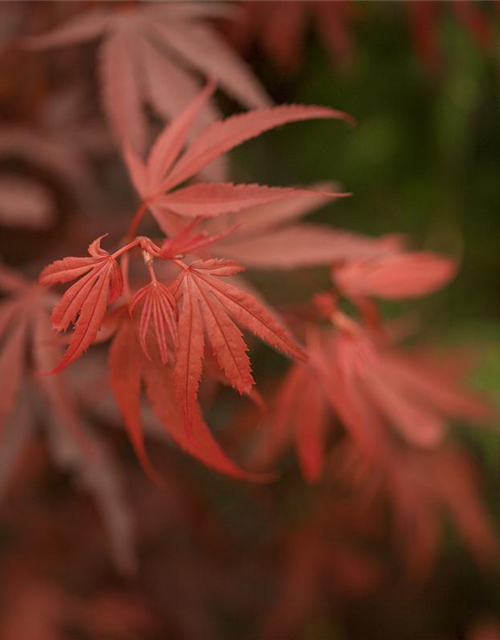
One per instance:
(100, 284)
(367, 416)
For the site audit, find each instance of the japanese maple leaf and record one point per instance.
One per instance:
(394, 277)
(130, 369)
(374, 390)
(209, 306)
(281, 35)
(424, 17)
(414, 396)
(167, 168)
(159, 308)
(99, 284)
(272, 236)
(148, 55)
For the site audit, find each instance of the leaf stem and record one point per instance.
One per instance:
(139, 214)
(179, 263)
(124, 267)
(125, 248)
(152, 273)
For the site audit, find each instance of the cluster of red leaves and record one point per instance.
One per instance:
(365, 415)
(197, 302)
(355, 373)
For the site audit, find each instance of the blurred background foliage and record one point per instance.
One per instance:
(423, 160)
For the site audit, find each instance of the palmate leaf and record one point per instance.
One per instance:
(100, 283)
(159, 308)
(129, 370)
(381, 396)
(224, 135)
(167, 167)
(209, 306)
(391, 389)
(148, 55)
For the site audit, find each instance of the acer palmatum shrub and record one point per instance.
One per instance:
(276, 496)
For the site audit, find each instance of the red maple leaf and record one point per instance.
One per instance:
(100, 283)
(166, 168)
(130, 369)
(376, 391)
(159, 308)
(208, 306)
(148, 55)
